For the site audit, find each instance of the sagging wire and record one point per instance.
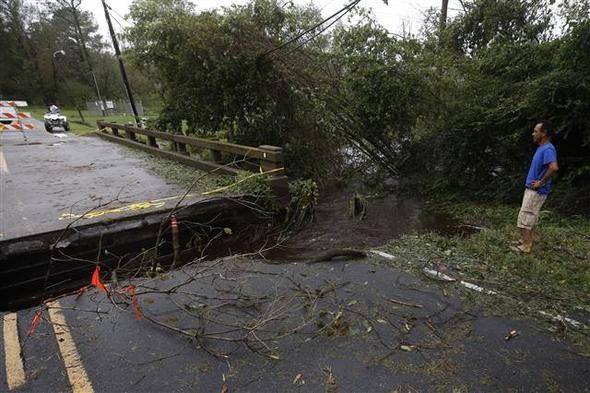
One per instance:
(342, 11)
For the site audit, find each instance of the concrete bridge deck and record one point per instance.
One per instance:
(48, 180)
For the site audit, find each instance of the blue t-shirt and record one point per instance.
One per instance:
(544, 155)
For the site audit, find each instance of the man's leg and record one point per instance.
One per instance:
(528, 217)
(527, 240)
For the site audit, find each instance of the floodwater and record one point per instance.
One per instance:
(387, 218)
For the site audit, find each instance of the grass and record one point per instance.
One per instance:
(77, 126)
(554, 278)
(189, 178)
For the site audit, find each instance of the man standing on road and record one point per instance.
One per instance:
(538, 184)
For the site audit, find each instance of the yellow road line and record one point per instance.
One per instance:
(3, 165)
(76, 372)
(15, 369)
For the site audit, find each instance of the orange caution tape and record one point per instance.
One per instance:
(36, 321)
(81, 291)
(96, 281)
(130, 289)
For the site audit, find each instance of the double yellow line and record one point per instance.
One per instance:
(14, 359)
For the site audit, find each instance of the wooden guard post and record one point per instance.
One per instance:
(278, 180)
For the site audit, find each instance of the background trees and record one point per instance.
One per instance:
(448, 110)
(49, 52)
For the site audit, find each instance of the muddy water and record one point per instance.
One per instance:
(387, 218)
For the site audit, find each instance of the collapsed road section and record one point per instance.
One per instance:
(37, 267)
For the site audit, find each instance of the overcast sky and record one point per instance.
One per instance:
(394, 17)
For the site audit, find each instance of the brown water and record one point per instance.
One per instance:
(387, 218)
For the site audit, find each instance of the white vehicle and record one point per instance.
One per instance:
(13, 120)
(55, 119)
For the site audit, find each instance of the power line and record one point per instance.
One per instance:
(322, 30)
(116, 13)
(346, 8)
(117, 21)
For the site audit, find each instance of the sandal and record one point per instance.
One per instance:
(519, 250)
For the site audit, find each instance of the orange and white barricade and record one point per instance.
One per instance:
(14, 115)
(12, 103)
(16, 126)
(13, 120)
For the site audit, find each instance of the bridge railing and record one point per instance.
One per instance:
(265, 158)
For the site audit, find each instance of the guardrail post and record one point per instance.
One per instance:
(152, 142)
(279, 183)
(181, 148)
(115, 131)
(215, 155)
(130, 134)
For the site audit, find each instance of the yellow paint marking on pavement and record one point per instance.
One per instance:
(76, 372)
(156, 203)
(3, 165)
(98, 213)
(15, 369)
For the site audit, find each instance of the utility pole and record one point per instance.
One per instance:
(121, 65)
(73, 6)
(443, 15)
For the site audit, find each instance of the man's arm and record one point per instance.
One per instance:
(551, 170)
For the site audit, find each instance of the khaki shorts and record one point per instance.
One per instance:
(529, 211)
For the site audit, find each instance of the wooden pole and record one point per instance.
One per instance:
(443, 15)
(121, 65)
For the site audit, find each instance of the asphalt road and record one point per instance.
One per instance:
(49, 179)
(248, 326)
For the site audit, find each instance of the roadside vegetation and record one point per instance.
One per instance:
(552, 281)
(448, 109)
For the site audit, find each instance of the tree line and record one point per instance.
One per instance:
(52, 53)
(449, 109)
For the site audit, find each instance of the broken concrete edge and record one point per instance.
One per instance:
(52, 263)
(279, 184)
(84, 229)
(443, 277)
(383, 254)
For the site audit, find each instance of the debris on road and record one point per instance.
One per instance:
(403, 303)
(298, 380)
(561, 318)
(438, 275)
(477, 288)
(511, 334)
(383, 254)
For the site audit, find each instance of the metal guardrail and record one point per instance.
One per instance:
(265, 157)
